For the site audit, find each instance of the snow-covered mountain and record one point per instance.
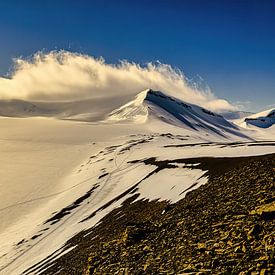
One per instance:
(18, 108)
(232, 115)
(152, 105)
(83, 110)
(263, 119)
(61, 177)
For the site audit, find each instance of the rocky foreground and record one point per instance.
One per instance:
(226, 226)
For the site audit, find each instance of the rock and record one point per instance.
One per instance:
(215, 263)
(263, 258)
(201, 246)
(189, 269)
(263, 272)
(216, 245)
(238, 250)
(230, 243)
(145, 266)
(255, 231)
(268, 215)
(225, 237)
(266, 211)
(146, 248)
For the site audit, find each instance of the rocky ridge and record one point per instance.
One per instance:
(224, 227)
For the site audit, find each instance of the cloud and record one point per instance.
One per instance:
(65, 76)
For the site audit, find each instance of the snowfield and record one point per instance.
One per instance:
(264, 119)
(59, 177)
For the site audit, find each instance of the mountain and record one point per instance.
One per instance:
(67, 183)
(83, 110)
(152, 105)
(263, 119)
(232, 115)
(18, 108)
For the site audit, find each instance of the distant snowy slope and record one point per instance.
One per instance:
(151, 105)
(18, 108)
(263, 119)
(232, 115)
(82, 110)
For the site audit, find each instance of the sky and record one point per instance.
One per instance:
(229, 44)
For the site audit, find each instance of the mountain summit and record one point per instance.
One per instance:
(263, 120)
(152, 105)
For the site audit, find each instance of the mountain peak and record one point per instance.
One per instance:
(151, 106)
(264, 119)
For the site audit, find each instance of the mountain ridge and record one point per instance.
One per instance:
(151, 105)
(263, 119)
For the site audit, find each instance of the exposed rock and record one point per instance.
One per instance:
(220, 228)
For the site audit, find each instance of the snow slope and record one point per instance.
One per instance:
(259, 126)
(151, 104)
(83, 110)
(233, 115)
(263, 119)
(61, 177)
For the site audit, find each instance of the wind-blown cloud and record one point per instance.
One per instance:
(65, 76)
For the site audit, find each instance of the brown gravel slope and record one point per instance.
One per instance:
(224, 227)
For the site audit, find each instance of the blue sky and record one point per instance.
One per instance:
(230, 44)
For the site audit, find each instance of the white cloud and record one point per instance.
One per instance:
(65, 76)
